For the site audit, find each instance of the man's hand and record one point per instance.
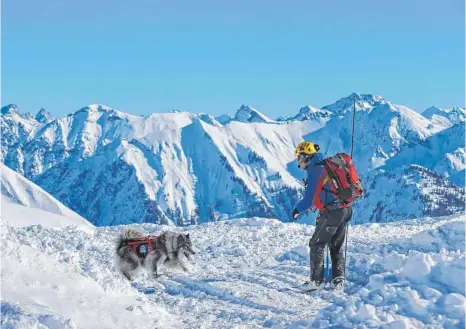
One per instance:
(295, 214)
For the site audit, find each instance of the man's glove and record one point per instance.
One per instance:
(295, 214)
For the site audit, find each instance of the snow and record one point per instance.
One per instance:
(448, 117)
(443, 152)
(19, 194)
(418, 266)
(363, 102)
(249, 114)
(182, 168)
(43, 116)
(309, 113)
(186, 168)
(398, 193)
(20, 216)
(42, 287)
(407, 274)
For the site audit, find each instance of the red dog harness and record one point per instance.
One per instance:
(143, 246)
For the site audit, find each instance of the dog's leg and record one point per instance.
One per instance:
(127, 275)
(157, 261)
(154, 258)
(179, 261)
(154, 270)
(183, 266)
(128, 262)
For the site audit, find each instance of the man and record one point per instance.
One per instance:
(331, 221)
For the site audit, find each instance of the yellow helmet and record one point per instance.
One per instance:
(306, 148)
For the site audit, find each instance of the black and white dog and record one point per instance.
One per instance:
(135, 250)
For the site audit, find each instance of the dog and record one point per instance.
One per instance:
(135, 250)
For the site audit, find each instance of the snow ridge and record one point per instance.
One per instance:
(24, 203)
(450, 116)
(184, 168)
(249, 114)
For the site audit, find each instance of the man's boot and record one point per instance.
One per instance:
(338, 283)
(309, 286)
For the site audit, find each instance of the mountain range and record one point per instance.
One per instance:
(185, 168)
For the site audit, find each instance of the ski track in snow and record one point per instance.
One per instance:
(401, 275)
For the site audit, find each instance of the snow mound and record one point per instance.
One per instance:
(45, 286)
(24, 203)
(412, 282)
(243, 278)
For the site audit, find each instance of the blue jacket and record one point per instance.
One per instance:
(315, 177)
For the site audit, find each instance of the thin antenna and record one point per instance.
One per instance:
(352, 134)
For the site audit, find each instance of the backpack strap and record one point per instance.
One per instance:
(330, 175)
(348, 176)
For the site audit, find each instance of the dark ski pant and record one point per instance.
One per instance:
(330, 229)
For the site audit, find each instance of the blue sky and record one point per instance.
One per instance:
(212, 56)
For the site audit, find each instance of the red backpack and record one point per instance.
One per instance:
(343, 179)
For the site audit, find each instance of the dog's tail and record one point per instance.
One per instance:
(128, 233)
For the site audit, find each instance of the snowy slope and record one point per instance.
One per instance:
(97, 150)
(21, 216)
(49, 281)
(382, 130)
(408, 274)
(444, 153)
(109, 163)
(17, 129)
(447, 117)
(309, 113)
(407, 192)
(184, 168)
(242, 169)
(24, 203)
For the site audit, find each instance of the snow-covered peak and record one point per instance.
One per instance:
(458, 109)
(224, 119)
(429, 112)
(43, 116)
(96, 110)
(249, 114)
(16, 130)
(28, 116)
(181, 166)
(381, 132)
(363, 101)
(309, 109)
(10, 109)
(454, 115)
(209, 119)
(308, 113)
